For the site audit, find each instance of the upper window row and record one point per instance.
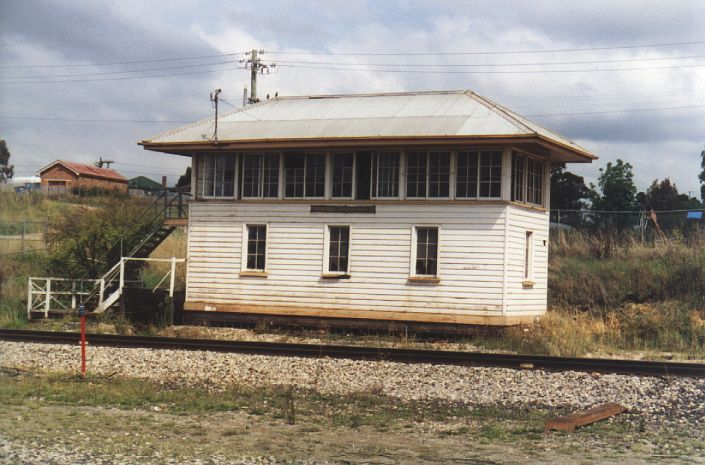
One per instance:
(471, 174)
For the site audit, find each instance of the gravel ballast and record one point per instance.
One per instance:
(655, 398)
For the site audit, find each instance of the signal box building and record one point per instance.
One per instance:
(418, 207)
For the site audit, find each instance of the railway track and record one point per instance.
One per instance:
(635, 367)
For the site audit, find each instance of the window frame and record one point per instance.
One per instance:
(200, 169)
(261, 176)
(478, 187)
(353, 190)
(374, 175)
(244, 270)
(413, 275)
(306, 156)
(525, 188)
(326, 271)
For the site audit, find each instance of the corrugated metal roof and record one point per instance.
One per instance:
(88, 170)
(413, 114)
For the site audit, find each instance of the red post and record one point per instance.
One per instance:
(82, 314)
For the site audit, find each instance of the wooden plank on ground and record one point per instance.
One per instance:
(586, 417)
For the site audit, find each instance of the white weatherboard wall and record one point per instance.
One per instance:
(527, 300)
(471, 265)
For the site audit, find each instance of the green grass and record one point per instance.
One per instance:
(14, 272)
(353, 411)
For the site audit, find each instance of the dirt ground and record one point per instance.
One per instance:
(149, 435)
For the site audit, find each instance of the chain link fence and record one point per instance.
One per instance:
(645, 224)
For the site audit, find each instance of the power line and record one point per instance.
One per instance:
(241, 110)
(123, 78)
(143, 70)
(545, 71)
(116, 63)
(502, 52)
(432, 53)
(30, 118)
(479, 65)
(630, 110)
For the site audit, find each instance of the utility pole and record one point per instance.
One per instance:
(214, 101)
(256, 66)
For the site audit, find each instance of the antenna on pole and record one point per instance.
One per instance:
(101, 162)
(214, 101)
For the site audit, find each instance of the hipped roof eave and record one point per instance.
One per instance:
(188, 148)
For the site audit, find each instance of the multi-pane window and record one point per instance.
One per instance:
(518, 177)
(343, 168)
(338, 249)
(467, 175)
(534, 181)
(426, 251)
(260, 175)
(479, 174)
(304, 175)
(416, 174)
(438, 174)
(385, 175)
(427, 174)
(216, 176)
(527, 179)
(256, 247)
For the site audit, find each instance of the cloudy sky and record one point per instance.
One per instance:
(81, 80)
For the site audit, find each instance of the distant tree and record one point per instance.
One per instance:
(617, 189)
(664, 196)
(568, 192)
(617, 194)
(702, 176)
(184, 179)
(6, 169)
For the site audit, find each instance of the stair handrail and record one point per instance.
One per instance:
(156, 212)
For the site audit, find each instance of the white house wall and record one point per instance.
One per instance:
(471, 258)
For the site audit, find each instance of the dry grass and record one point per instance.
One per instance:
(602, 272)
(173, 246)
(648, 329)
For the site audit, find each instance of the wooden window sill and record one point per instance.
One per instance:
(335, 276)
(253, 274)
(424, 279)
(528, 284)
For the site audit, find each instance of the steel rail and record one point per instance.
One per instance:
(633, 367)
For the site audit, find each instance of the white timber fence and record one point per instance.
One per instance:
(64, 295)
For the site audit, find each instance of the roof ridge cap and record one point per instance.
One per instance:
(502, 111)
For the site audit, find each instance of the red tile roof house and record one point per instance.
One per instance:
(63, 176)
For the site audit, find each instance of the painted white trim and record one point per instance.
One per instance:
(243, 249)
(326, 249)
(412, 254)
